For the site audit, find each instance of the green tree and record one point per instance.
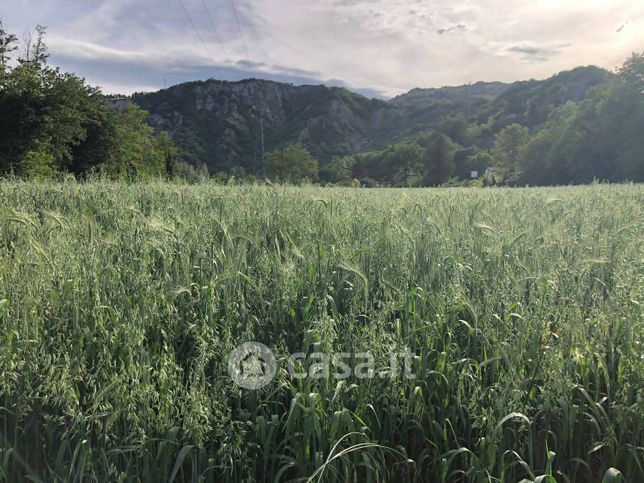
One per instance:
(44, 109)
(38, 162)
(190, 173)
(549, 154)
(599, 137)
(167, 150)
(439, 157)
(24, 136)
(462, 167)
(292, 164)
(339, 170)
(51, 121)
(136, 153)
(458, 129)
(404, 161)
(632, 71)
(508, 149)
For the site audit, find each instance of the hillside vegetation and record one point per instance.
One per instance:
(119, 305)
(571, 128)
(219, 122)
(574, 127)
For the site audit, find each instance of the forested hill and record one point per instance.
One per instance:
(220, 123)
(574, 127)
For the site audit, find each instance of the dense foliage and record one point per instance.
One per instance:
(571, 128)
(119, 305)
(229, 125)
(291, 164)
(53, 122)
(532, 135)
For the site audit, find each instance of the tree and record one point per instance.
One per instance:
(44, 110)
(292, 164)
(8, 45)
(457, 128)
(598, 138)
(34, 48)
(167, 150)
(629, 157)
(53, 122)
(23, 101)
(509, 146)
(339, 170)
(136, 153)
(404, 160)
(439, 157)
(190, 173)
(632, 71)
(548, 156)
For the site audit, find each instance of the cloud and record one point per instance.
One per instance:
(382, 47)
(459, 26)
(81, 50)
(124, 72)
(539, 54)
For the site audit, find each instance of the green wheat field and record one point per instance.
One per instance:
(119, 305)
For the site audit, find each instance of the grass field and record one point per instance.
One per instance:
(119, 305)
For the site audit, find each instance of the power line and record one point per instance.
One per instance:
(232, 3)
(214, 28)
(194, 26)
(262, 108)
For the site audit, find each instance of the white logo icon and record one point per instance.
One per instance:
(252, 365)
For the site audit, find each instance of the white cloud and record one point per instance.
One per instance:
(90, 51)
(394, 45)
(387, 45)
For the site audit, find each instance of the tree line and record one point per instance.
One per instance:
(600, 137)
(53, 122)
(596, 138)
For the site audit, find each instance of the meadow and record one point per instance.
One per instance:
(119, 305)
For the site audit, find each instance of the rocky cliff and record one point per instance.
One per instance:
(223, 123)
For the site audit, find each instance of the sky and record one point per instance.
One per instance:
(380, 48)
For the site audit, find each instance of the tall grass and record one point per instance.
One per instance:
(120, 303)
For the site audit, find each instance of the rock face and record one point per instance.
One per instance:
(119, 103)
(222, 123)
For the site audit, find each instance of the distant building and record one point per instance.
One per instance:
(491, 170)
(474, 174)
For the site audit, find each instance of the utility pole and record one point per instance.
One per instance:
(261, 133)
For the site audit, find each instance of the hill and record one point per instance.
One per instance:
(220, 123)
